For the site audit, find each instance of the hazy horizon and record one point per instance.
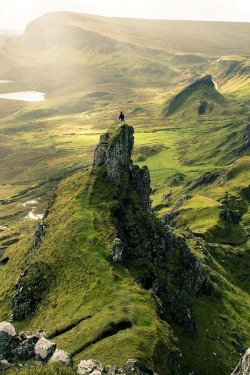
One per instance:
(15, 15)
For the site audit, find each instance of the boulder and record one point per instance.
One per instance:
(117, 251)
(133, 366)
(89, 366)
(25, 349)
(62, 357)
(44, 349)
(7, 333)
(243, 367)
(4, 365)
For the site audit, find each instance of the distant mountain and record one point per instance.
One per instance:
(171, 36)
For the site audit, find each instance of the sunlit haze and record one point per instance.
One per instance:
(15, 14)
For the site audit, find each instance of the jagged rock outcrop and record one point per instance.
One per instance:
(114, 150)
(39, 234)
(142, 236)
(30, 287)
(243, 367)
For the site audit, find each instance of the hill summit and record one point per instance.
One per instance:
(199, 97)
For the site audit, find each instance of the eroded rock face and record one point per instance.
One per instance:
(30, 286)
(243, 367)
(39, 234)
(141, 181)
(115, 152)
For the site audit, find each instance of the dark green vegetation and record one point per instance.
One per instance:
(196, 144)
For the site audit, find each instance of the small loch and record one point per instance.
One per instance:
(26, 96)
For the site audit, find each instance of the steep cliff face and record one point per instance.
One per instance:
(143, 243)
(179, 268)
(114, 151)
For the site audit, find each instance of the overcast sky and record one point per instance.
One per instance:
(15, 14)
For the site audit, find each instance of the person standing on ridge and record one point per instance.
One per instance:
(122, 118)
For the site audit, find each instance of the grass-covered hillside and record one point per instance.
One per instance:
(94, 307)
(184, 87)
(86, 303)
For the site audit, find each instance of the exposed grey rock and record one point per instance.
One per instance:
(25, 346)
(141, 181)
(92, 367)
(117, 251)
(44, 349)
(39, 234)
(133, 366)
(100, 156)
(25, 349)
(115, 152)
(89, 366)
(30, 286)
(7, 333)
(4, 365)
(62, 357)
(243, 367)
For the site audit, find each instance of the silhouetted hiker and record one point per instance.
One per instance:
(122, 117)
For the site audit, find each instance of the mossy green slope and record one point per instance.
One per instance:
(198, 98)
(92, 307)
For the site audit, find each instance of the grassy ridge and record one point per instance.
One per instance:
(89, 296)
